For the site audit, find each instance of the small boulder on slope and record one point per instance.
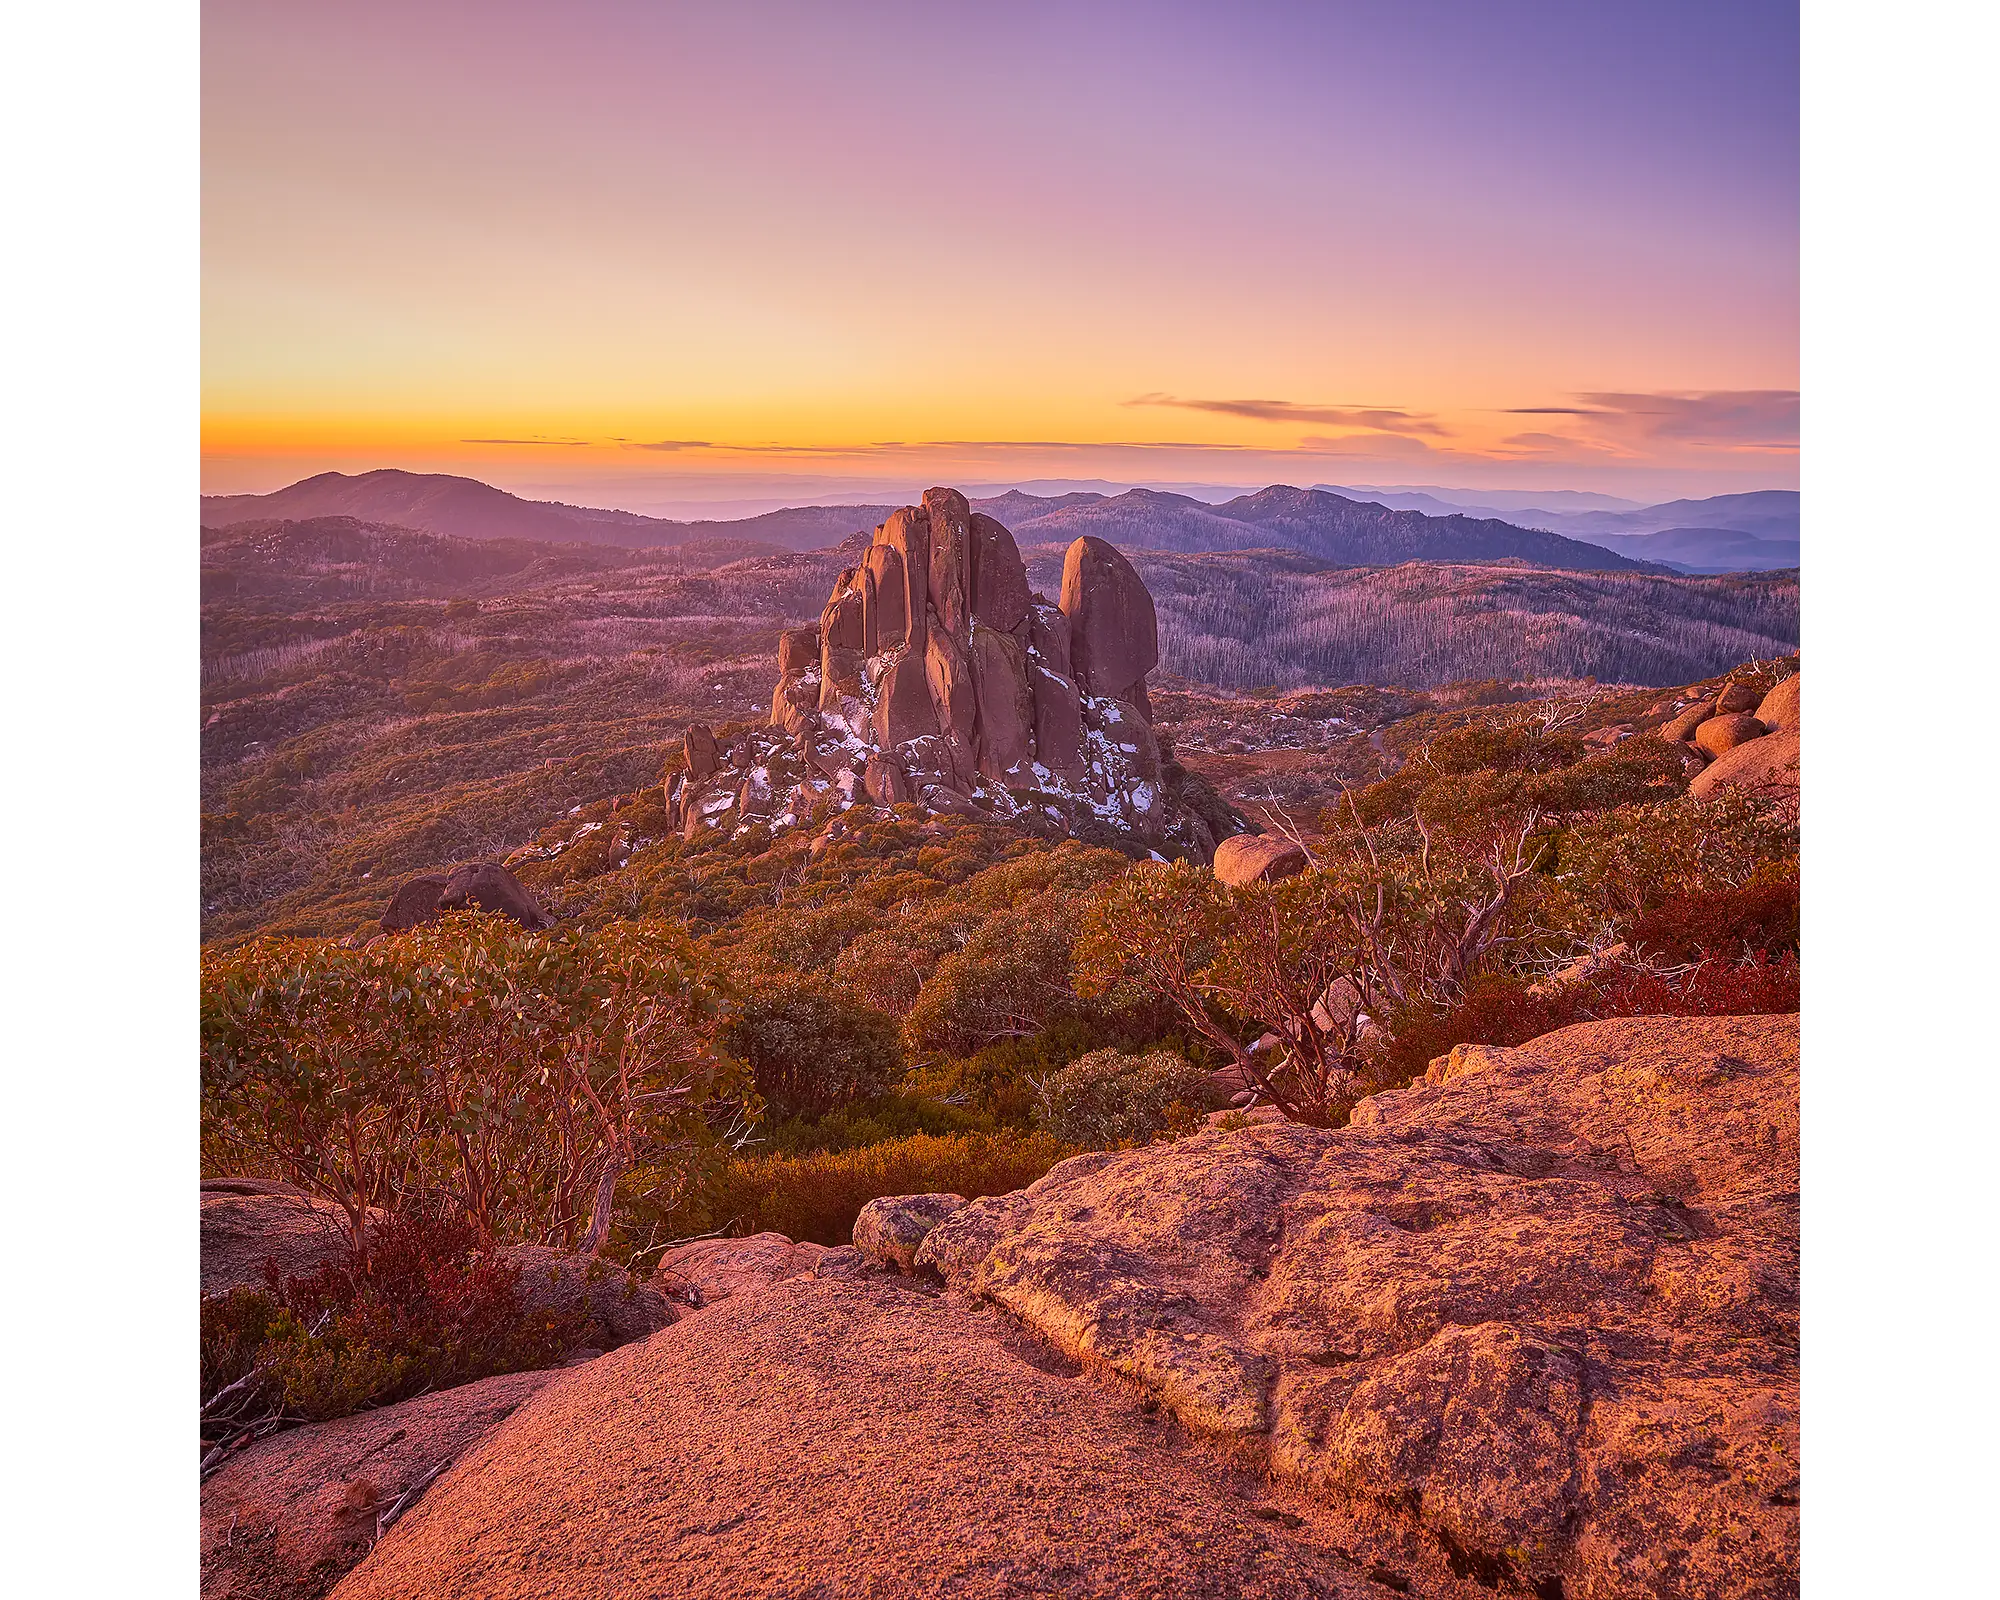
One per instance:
(1257, 857)
(1719, 735)
(890, 1229)
(1767, 767)
(1779, 710)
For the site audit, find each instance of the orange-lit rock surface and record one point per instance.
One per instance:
(293, 1512)
(1530, 1324)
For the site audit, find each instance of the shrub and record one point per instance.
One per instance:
(1502, 1010)
(422, 1309)
(1110, 1098)
(1010, 980)
(514, 1076)
(1760, 917)
(817, 1197)
(811, 1049)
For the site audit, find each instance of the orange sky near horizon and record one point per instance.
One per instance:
(649, 252)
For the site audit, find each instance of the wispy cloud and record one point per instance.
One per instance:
(668, 444)
(1729, 419)
(1375, 419)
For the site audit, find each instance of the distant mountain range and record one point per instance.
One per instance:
(1729, 533)
(1754, 532)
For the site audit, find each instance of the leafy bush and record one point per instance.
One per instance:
(513, 1077)
(1760, 917)
(1109, 1098)
(422, 1309)
(1502, 1010)
(817, 1197)
(811, 1049)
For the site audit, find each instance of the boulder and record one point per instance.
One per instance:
(617, 1306)
(488, 886)
(698, 741)
(1006, 706)
(1779, 710)
(292, 1513)
(999, 580)
(1257, 858)
(1114, 635)
(1736, 698)
(890, 1229)
(1539, 1312)
(798, 650)
(1682, 727)
(1720, 734)
(842, 1437)
(950, 588)
(415, 901)
(247, 1221)
(1767, 767)
(793, 700)
(699, 1274)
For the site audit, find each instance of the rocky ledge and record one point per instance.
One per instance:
(1529, 1326)
(935, 677)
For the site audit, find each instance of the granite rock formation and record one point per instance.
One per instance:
(1529, 1327)
(936, 677)
(469, 886)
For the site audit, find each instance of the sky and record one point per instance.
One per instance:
(680, 256)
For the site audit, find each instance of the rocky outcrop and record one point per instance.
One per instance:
(1779, 710)
(1257, 858)
(709, 1270)
(1721, 734)
(469, 886)
(1540, 1310)
(849, 1438)
(889, 1230)
(414, 902)
(1768, 767)
(936, 677)
(246, 1222)
(292, 1513)
(1529, 1327)
(1752, 754)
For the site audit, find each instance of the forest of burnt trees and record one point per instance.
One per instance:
(1244, 621)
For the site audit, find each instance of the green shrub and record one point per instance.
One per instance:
(817, 1197)
(811, 1049)
(1108, 1097)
